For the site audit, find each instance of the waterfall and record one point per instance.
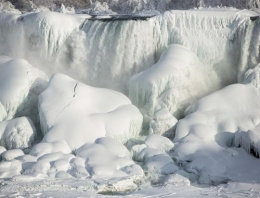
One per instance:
(106, 53)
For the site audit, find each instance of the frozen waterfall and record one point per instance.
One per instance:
(106, 53)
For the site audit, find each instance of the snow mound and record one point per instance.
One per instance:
(159, 142)
(20, 85)
(12, 154)
(99, 162)
(204, 139)
(163, 123)
(175, 82)
(153, 155)
(44, 148)
(18, 133)
(77, 113)
(230, 109)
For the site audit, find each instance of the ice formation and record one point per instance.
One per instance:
(175, 82)
(78, 113)
(18, 133)
(20, 85)
(45, 43)
(84, 126)
(205, 136)
(227, 115)
(249, 140)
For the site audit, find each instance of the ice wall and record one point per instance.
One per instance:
(106, 53)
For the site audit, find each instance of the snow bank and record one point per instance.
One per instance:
(204, 139)
(175, 82)
(20, 85)
(18, 133)
(77, 113)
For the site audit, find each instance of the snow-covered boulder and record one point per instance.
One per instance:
(20, 85)
(233, 108)
(154, 157)
(175, 82)
(78, 113)
(204, 139)
(159, 142)
(163, 123)
(18, 133)
(9, 169)
(44, 148)
(12, 154)
(102, 162)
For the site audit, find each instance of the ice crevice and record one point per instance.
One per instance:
(69, 100)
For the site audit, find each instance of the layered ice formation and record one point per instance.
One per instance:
(78, 113)
(176, 81)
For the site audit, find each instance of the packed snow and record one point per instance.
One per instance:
(145, 105)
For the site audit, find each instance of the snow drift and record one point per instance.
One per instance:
(78, 113)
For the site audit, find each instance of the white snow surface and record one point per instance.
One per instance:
(78, 113)
(20, 85)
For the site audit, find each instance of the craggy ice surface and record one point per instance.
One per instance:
(135, 106)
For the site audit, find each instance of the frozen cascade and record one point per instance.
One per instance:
(106, 53)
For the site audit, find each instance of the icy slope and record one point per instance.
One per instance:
(107, 53)
(77, 113)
